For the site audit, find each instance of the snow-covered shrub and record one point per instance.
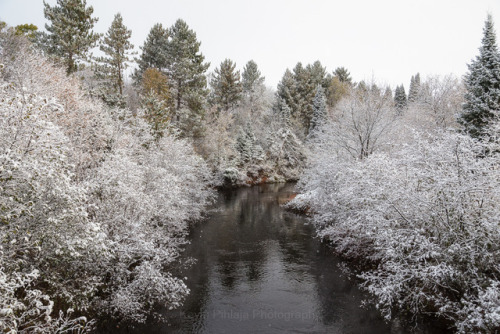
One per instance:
(93, 210)
(81, 119)
(426, 218)
(46, 236)
(145, 200)
(33, 311)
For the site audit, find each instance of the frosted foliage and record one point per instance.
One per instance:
(360, 124)
(218, 146)
(319, 114)
(81, 119)
(45, 232)
(146, 211)
(425, 216)
(94, 210)
(436, 106)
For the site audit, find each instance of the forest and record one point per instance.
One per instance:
(102, 175)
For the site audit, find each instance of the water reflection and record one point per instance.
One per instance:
(259, 270)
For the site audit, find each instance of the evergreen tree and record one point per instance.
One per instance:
(317, 76)
(248, 146)
(116, 46)
(70, 34)
(154, 52)
(299, 88)
(186, 69)
(482, 83)
(400, 100)
(319, 111)
(252, 79)
(302, 95)
(336, 90)
(253, 87)
(414, 88)
(286, 90)
(156, 113)
(282, 111)
(343, 74)
(226, 86)
(388, 93)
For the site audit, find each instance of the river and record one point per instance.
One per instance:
(259, 269)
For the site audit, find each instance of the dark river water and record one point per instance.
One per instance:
(259, 269)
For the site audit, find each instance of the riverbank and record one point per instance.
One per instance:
(259, 268)
(421, 223)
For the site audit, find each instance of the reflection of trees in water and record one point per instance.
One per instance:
(240, 231)
(237, 247)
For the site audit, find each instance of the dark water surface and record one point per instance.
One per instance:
(260, 270)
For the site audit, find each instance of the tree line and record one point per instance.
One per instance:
(103, 177)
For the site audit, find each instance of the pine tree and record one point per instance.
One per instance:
(226, 86)
(186, 69)
(253, 87)
(317, 76)
(319, 111)
(154, 52)
(70, 34)
(482, 83)
(343, 75)
(286, 90)
(400, 100)
(414, 91)
(116, 46)
(252, 79)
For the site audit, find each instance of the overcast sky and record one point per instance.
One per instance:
(389, 40)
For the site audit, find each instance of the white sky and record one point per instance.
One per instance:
(388, 40)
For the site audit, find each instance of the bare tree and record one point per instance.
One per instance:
(361, 120)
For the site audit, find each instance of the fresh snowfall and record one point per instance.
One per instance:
(102, 176)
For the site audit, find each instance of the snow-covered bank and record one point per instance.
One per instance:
(425, 218)
(93, 209)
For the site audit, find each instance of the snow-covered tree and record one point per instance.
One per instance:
(361, 123)
(482, 83)
(400, 100)
(413, 93)
(93, 210)
(439, 100)
(253, 86)
(218, 145)
(156, 100)
(250, 150)
(286, 152)
(319, 115)
(70, 35)
(424, 218)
